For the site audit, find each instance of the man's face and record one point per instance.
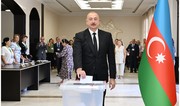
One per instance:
(42, 39)
(133, 41)
(92, 20)
(58, 40)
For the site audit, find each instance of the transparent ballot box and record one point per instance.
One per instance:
(75, 93)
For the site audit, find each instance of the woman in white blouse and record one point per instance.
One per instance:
(7, 55)
(120, 56)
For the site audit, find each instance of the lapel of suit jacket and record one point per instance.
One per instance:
(89, 40)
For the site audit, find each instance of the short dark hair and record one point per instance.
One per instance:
(6, 39)
(50, 39)
(65, 41)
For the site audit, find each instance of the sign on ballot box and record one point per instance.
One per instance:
(75, 93)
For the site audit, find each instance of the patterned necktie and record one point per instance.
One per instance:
(95, 41)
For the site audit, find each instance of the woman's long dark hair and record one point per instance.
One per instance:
(6, 39)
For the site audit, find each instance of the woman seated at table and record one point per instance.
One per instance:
(7, 55)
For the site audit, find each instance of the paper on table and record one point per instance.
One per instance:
(88, 79)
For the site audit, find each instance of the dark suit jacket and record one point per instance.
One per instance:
(41, 51)
(94, 63)
(58, 49)
(58, 59)
(23, 49)
(133, 50)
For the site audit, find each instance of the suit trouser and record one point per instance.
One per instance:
(104, 95)
(133, 64)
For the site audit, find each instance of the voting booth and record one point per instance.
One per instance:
(75, 93)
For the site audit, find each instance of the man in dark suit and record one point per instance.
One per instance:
(41, 49)
(133, 50)
(91, 50)
(58, 48)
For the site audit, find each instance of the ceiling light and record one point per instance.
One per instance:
(100, 4)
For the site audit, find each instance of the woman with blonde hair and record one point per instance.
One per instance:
(16, 48)
(120, 56)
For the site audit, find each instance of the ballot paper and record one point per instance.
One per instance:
(86, 84)
(87, 79)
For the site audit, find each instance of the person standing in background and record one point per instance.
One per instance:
(24, 48)
(127, 63)
(41, 49)
(120, 57)
(16, 48)
(57, 49)
(140, 52)
(67, 61)
(71, 42)
(144, 44)
(50, 52)
(7, 54)
(115, 42)
(133, 50)
(91, 50)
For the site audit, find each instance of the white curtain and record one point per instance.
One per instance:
(147, 19)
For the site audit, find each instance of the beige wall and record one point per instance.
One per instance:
(51, 24)
(125, 27)
(7, 25)
(68, 26)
